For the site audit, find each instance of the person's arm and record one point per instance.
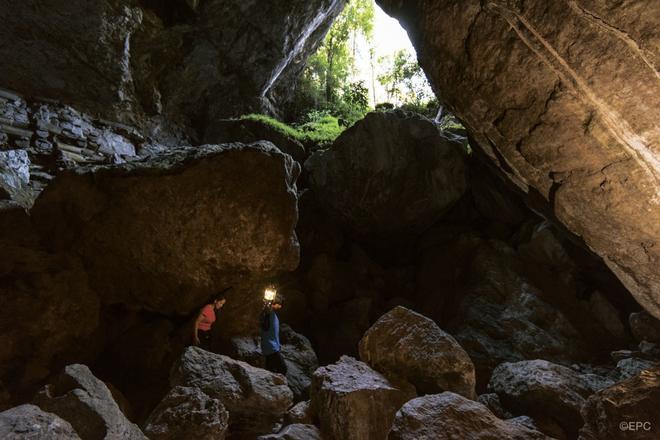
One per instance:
(197, 321)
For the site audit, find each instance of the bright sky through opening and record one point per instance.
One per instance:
(388, 38)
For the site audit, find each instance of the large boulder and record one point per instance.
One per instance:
(499, 296)
(30, 422)
(354, 402)
(449, 416)
(542, 388)
(187, 413)
(84, 401)
(297, 351)
(300, 359)
(188, 60)
(255, 398)
(389, 176)
(178, 226)
(644, 327)
(628, 409)
(406, 345)
(57, 287)
(536, 84)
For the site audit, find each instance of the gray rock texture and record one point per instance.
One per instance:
(255, 398)
(58, 288)
(500, 297)
(354, 402)
(406, 345)
(84, 401)
(612, 413)
(15, 176)
(297, 351)
(295, 432)
(537, 85)
(449, 416)
(630, 367)
(389, 176)
(300, 413)
(187, 413)
(30, 422)
(644, 327)
(247, 131)
(184, 221)
(542, 388)
(189, 61)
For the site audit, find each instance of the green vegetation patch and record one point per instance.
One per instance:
(318, 128)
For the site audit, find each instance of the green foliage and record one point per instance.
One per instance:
(325, 80)
(273, 123)
(318, 129)
(404, 80)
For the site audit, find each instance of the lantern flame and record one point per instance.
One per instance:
(269, 294)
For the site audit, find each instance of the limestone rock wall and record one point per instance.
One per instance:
(563, 97)
(189, 61)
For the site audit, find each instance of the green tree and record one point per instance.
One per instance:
(326, 76)
(403, 79)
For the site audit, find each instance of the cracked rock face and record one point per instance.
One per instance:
(410, 346)
(564, 98)
(354, 402)
(30, 422)
(178, 225)
(187, 60)
(187, 412)
(390, 176)
(84, 401)
(633, 400)
(545, 389)
(450, 416)
(255, 398)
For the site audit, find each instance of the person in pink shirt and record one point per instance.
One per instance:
(204, 322)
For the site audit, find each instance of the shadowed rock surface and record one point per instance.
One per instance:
(295, 432)
(171, 224)
(449, 416)
(536, 85)
(300, 413)
(391, 175)
(255, 398)
(500, 297)
(645, 327)
(298, 354)
(248, 131)
(545, 389)
(187, 413)
(58, 288)
(30, 422)
(353, 401)
(84, 401)
(406, 345)
(633, 400)
(189, 61)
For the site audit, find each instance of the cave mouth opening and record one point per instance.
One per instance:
(393, 214)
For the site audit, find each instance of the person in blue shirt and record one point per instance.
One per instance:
(270, 336)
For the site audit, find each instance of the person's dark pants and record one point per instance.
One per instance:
(275, 363)
(204, 339)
